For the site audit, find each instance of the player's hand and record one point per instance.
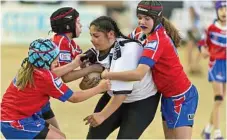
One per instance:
(77, 60)
(104, 74)
(104, 85)
(96, 68)
(204, 52)
(84, 64)
(95, 119)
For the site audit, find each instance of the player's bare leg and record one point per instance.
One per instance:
(193, 64)
(55, 133)
(218, 89)
(184, 132)
(53, 121)
(167, 132)
(224, 89)
(189, 50)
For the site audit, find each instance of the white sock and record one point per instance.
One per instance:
(217, 133)
(208, 128)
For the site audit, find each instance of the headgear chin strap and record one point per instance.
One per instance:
(152, 9)
(63, 21)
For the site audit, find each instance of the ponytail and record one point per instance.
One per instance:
(25, 75)
(172, 32)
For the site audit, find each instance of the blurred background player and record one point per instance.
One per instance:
(32, 88)
(213, 46)
(193, 36)
(179, 96)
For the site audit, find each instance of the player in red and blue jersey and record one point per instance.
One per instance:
(31, 89)
(65, 23)
(214, 46)
(179, 95)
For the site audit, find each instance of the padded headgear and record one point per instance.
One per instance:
(152, 9)
(42, 52)
(63, 20)
(220, 4)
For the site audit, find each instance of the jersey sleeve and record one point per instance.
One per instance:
(129, 59)
(151, 53)
(65, 55)
(57, 89)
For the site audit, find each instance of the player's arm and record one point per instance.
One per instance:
(114, 103)
(62, 70)
(204, 52)
(82, 95)
(97, 118)
(57, 89)
(76, 74)
(132, 75)
(68, 74)
(151, 54)
(203, 45)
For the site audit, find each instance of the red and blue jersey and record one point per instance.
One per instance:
(215, 40)
(161, 55)
(68, 48)
(19, 104)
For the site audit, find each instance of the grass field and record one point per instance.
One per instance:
(70, 116)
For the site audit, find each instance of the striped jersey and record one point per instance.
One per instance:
(19, 104)
(68, 48)
(215, 40)
(160, 54)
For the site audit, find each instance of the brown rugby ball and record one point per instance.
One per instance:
(90, 81)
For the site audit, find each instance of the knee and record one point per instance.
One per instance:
(218, 99)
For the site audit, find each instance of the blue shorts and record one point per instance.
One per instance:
(218, 72)
(28, 128)
(179, 110)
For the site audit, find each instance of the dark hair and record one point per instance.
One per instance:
(172, 32)
(106, 24)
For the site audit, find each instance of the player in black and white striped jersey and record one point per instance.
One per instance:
(128, 105)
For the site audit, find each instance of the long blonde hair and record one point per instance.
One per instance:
(25, 75)
(171, 31)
